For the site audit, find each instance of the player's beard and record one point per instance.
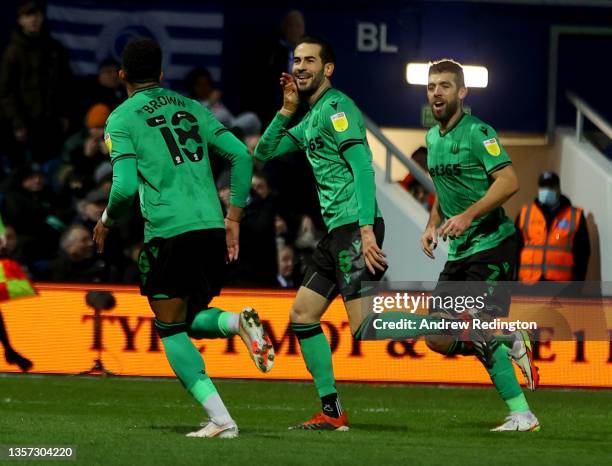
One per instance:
(315, 83)
(451, 108)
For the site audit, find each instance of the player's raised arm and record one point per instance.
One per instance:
(125, 177)
(277, 140)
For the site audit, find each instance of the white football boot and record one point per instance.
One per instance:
(210, 430)
(522, 355)
(519, 422)
(257, 342)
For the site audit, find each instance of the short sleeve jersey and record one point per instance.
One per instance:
(461, 162)
(333, 124)
(168, 135)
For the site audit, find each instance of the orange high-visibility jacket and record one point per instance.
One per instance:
(547, 254)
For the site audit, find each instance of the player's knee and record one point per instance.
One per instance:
(438, 343)
(168, 329)
(300, 315)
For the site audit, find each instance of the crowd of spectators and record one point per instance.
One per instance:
(55, 175)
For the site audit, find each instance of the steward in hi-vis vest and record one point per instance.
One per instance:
(555, 238)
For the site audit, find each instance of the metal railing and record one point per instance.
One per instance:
(585, 110)
(392, 151)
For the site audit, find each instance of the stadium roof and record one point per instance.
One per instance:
(592, 3)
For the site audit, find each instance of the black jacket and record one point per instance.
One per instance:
(35, 79)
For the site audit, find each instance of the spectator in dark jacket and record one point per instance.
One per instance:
(287, 276)
(78, 262)
(257, 264)
(30, 208)
(278, 56)
(35, 79)
(85, 150)
(104, 87)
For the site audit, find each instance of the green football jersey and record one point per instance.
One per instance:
(170, 136)
(460, 162)
(345, 186)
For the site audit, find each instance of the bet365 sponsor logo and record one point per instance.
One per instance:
(449, 169)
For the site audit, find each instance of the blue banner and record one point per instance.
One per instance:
(91, 34)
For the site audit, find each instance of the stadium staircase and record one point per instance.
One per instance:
(405, 218)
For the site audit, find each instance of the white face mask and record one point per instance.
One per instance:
(548, 196)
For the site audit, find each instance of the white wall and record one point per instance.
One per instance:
(586, 178)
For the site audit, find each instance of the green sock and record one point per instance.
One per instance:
(464, 348)
(214, 323)
(503, 377)
(376, 326)
(518, 404)
(506, 339)
(185, 360)
(317, 355)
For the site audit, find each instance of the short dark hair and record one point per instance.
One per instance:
(448, 65)
(28, 8)
(549, 179)
(260, 174)
(107, 62)
(141, 60)
(327, 51)
(192, 77)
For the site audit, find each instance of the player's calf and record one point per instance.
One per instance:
(442, 344)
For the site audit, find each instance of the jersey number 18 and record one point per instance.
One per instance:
(189, 140)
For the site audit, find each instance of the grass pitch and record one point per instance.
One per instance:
(144, 421)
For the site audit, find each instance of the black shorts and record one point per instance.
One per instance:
(337, 264)
(190, 265)
(488, 268)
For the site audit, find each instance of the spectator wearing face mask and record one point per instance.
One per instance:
(554, 235)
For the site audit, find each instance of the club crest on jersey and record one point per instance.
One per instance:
(340, 122)
(492, 147)
(108, 142)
